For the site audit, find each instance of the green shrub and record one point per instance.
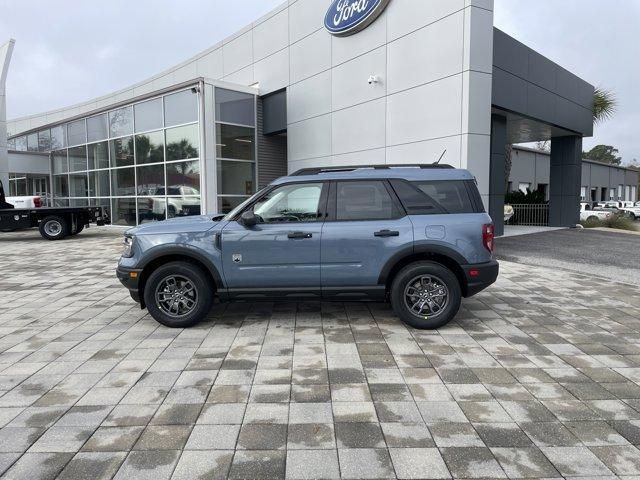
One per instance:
(617, 222)
(518, 197)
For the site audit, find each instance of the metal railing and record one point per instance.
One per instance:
(530, 215)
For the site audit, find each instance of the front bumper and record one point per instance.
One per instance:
(478, 277)
(130, 278)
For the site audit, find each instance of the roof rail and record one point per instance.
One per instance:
(319, 170)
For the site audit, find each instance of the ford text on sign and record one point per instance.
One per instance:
(346, 17)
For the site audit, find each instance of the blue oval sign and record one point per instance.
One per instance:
(346, 17)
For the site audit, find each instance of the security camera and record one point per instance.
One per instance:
(195, 90)
(373, 79)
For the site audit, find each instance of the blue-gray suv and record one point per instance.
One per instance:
(415, 235)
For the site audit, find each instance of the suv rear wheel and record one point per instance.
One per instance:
(426, 295)
(178, 295)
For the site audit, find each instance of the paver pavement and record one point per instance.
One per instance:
(537, 378)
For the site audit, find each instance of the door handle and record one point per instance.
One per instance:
(300, 235)
(387, 233)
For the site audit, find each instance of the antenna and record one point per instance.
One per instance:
(441, 157)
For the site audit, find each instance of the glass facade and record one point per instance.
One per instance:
(235, 148)
(143, 161)
(129, 162)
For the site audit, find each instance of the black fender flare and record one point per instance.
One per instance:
(406, 252)
(184, 251)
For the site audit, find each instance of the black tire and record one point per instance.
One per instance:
(592, 218)
(204, 292)
(54, 228)
(408, 277)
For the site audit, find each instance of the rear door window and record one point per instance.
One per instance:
(438, 197)
(365, 200)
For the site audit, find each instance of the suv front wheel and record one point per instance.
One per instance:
(178, 295)
(426, 295)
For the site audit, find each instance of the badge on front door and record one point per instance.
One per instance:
(236, 257)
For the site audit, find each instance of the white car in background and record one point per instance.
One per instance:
(26, 202)
(587, 213)
(628, 209)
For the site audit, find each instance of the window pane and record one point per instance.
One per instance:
(77, 159)
(152, 209)
(451, 196)
(150, 180)
(183, 178)
(78, 202)
(44, 141)
(150, 147)
(236, 178)
(98, 155)
(21, 144)
(182, 142)
(123, 211)
(97, 128)
(226, 204)
(121, 152)
(235, 107)
(364, 201)
(76, 133)
(60, 164)
(121, 122)
(11, 144)
(148, 115)
(99, 184)
(235, 142)
(58, 137)
(78, 185)
(123, 182)
(32, 142)
(181, 107)
(60, 186)
(290, 203)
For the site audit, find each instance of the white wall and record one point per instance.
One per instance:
(5, 59)
(433, 57)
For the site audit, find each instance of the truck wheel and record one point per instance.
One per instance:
(426, 295)
(54, 228)
(178, 295)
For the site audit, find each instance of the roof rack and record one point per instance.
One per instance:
(319, 170)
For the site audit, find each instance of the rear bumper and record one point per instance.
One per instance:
(479, 277)
(129, 277)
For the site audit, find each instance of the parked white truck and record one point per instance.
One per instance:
(587, 213)
(628, 209)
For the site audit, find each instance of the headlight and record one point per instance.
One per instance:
(128, 247)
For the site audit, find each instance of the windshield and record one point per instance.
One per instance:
(240, 207)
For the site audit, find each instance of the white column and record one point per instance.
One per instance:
(476, 91)
(5, 57)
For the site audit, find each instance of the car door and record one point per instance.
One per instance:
(280, 256)
(366, 226)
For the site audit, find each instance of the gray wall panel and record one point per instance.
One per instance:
(543, 90)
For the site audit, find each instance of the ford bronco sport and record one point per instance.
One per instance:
(417, 236)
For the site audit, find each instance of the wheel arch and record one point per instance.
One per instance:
(178, 254)
(442, 255)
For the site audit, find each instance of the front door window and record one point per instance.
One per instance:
(290, 203)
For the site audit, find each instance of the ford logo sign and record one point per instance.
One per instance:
(346, 17)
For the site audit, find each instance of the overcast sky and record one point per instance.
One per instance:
(69, 51)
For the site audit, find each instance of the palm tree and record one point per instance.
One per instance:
(605, 104)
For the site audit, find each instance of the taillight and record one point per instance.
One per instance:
(37, 202)
(488, 237)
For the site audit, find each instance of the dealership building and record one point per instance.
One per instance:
(314, 83)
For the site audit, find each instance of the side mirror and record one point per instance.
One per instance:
(249, 219)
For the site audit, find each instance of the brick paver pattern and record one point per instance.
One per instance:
(538, 377)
